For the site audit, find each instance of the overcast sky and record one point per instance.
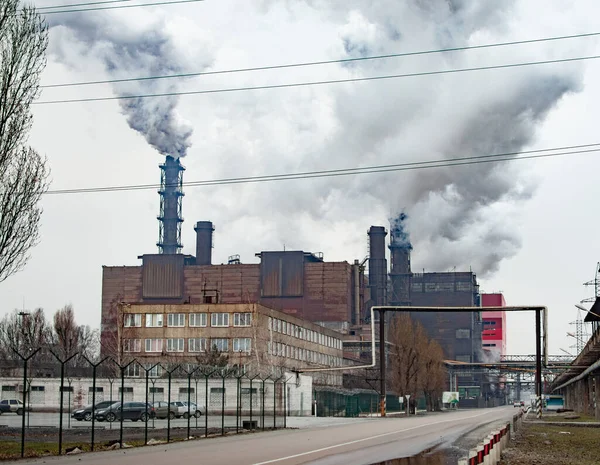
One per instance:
(524, 227)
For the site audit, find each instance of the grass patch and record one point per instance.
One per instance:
(553, 445)
(561, 417)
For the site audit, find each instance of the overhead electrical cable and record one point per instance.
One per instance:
(317, 83)
(407, 166)
(323, 62)
(118, 7)
(66, 5)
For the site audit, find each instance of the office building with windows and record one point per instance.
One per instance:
(252, 336)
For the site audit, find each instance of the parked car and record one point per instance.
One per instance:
(133, 411)
(163, 410)
(85, 413)
(193, 410)
(12, 405)
(180, 406)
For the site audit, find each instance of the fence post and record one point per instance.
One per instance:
(62, 396)
(25, 361)
(263, 404)
(94, 367)
(274, 404)
(148, 370)
(223, 405)
(206, 375)
(121, 397)
(170, 373)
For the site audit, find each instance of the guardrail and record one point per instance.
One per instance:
(490, 449)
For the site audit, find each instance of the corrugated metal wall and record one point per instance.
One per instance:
(162, 276)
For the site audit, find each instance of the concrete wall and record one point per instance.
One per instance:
(45, 393)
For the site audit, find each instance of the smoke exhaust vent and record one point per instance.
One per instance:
(171, 193)
(377, 265)
(204, 242)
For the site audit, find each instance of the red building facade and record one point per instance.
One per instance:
(494, 326)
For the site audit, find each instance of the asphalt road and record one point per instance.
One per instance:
(363, 442)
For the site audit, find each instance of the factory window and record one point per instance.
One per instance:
(132, 371)
(175, 345)
(242, 319)
(9, 388)
(154, 345)
(463, 334)
(156, 390)
(270, 324)
(132, 345)
(155, 371)
(489, 323)
(489, 345)
(198, 320)
(132, 320)
(220, 344)
(219, 319)
(38, 388)
(176, 320)
(154, 320)
(126, 389)
(269, 347)
(242, 344)
(284, 327)
(197, 344)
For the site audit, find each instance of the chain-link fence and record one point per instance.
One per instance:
(50, 407)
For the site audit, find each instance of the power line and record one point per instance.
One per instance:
(71, 5)
(318, 83)
(323, 62)
(117, 7)
(408, 166)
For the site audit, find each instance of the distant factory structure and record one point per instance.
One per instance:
(324, 298)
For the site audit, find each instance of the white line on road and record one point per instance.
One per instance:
(367, 439)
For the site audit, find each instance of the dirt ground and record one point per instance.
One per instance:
(538, 443)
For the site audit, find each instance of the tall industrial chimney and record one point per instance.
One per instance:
(204, 232)
(171, 192)
(377, 265)
(400, 274)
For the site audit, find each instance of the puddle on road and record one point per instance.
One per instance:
(431, 458)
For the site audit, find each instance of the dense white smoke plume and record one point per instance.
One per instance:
(457, 216)
(134, 45)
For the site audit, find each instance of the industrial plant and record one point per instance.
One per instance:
(323, 301)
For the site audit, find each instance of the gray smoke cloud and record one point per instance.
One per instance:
(132, 46)
(457, 216)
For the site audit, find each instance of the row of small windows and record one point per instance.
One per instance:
(284, 327)
(279, 349)
(195, 320)
(196, 344)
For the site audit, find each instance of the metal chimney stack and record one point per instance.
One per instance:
(377, 265)
(171, 193)
(204, 242)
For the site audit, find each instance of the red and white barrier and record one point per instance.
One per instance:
(490, 450)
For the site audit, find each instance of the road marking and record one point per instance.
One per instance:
(367, 439)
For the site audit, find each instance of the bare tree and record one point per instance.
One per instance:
(23, 172)
(23, 332)
(434, 380)
(417, 362)
(66, 332)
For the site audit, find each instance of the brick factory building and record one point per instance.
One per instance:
(260, 339)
